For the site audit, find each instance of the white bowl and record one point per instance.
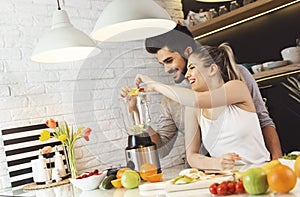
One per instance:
(292, 54)
(288, 162)
(89, 183)
(257, 68)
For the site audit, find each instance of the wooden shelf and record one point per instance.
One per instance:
(282, 71)
(237, 15)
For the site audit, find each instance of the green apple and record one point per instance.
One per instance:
(255, 181)
(130, 179)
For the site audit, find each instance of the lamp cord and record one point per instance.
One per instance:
(58, 5)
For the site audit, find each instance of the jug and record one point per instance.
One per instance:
(136, 118)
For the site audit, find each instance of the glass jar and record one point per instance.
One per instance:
(234, 5)
(212, 13)
(222, 10)
(245, 2)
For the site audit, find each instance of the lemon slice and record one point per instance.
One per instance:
(133, 92)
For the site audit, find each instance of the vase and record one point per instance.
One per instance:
(72, 163)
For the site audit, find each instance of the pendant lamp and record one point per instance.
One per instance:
(63, 42)
(128, 20)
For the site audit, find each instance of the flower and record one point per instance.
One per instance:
(63, 133)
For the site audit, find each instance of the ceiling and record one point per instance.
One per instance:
(195, 5)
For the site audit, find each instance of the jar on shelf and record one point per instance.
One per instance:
(245, 2)
(212, 13)
(222, 10)
(234, 5)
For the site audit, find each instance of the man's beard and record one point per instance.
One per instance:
(182, 74)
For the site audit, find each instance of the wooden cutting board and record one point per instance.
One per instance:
(169, 187)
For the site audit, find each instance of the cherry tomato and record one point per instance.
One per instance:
(222, 189)
(239, 187)
(213, 188)
(231, 187)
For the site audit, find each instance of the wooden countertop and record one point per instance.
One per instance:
(284, 70)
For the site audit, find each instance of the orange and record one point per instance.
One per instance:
(154, 177)
(120, 172)
(147, 169)
(297, 167)
(117, 183)
(281, 178)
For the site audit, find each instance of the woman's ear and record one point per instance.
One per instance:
(187, 52)
(214, 69)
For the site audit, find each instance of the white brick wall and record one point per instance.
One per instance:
(82, 92)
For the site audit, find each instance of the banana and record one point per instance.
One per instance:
(268, 166)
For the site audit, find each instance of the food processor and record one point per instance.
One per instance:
(136, 118)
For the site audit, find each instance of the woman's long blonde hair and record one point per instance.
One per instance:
(223, 57)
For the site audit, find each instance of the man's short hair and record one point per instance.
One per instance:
(177, 40)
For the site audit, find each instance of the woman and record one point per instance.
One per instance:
(219, 111)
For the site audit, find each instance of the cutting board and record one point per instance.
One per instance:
(169, 187)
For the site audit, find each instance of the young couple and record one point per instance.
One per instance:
(223, 111)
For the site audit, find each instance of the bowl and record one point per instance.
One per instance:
(257, 68)
(89, 183)
(292, 54)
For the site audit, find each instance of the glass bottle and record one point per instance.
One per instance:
(234, 5)
(212, 13)
(222, 10)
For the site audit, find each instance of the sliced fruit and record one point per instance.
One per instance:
(154, 177)
(133, 92)
(121, 171)
(117, 183)
(147, 169)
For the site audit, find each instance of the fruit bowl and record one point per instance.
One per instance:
(90, 182)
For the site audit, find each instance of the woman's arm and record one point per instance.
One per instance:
(232, 92)
(193, 143)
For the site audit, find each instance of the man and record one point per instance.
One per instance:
(172, 50)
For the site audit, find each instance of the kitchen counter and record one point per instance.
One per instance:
(70, 191)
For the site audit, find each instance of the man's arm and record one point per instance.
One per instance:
(268, 128)
(167, 131)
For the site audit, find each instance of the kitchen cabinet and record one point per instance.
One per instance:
(236, 16)
(283, 109)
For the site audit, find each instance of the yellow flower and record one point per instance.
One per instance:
(45, 135)
(62, 137)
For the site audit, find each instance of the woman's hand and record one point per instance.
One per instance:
(143, 79)
(227, 161)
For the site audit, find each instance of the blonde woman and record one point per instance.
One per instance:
(219, 113)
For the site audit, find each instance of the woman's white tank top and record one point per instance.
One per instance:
(235, 130)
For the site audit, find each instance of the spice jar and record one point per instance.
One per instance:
(212, 13)
(245, 2)
(222, 10)
(234, 5)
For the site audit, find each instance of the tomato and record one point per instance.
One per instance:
(213, 188)
(230, 187)
(222, 189)
(239, 187)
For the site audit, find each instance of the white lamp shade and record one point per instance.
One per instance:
(127, 20)
(63, 42)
